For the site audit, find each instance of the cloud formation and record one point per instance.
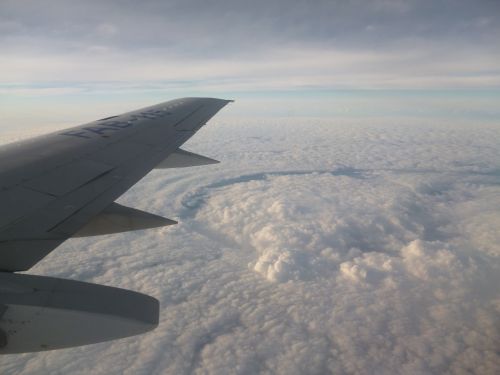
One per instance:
(363, 244)
(263, 45)
(315, 247)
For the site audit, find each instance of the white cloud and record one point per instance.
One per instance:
(290, 67)
(314, 247)
(259, 46)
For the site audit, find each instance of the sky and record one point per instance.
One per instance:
(97, 56)
(352, 224)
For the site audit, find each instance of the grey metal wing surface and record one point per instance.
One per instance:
(64, 184)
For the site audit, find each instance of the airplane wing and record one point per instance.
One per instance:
(64, 185)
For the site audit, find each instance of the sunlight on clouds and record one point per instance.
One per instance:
(325, 248)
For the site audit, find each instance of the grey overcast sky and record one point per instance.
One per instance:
(381, 43)
(140, 52)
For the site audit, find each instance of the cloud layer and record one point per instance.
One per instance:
(240, 46)
(315, 247)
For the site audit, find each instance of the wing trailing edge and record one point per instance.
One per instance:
(117, 218)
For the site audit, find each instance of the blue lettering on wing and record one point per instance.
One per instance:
(100, 130)
(142, 115)
(118, 124)
(115, 125)
(151, 114)
(76, 133)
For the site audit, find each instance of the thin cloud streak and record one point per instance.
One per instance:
(285, 69)
(265, 46)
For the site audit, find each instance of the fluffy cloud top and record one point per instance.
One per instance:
(315, 247)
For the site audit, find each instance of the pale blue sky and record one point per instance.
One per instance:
(74, 60)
